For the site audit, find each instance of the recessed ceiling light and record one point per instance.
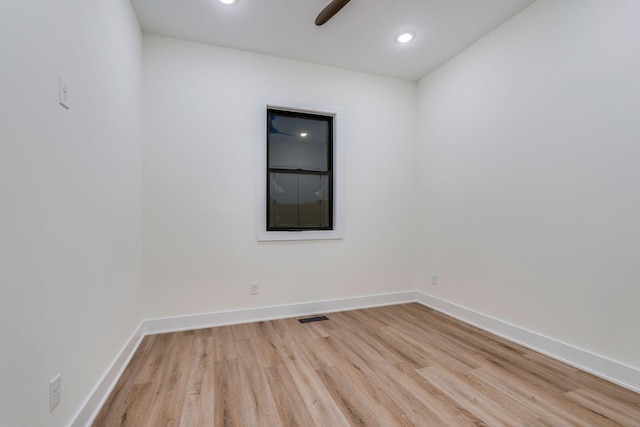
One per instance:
(405, 37)
(303, 134)
(228, 1)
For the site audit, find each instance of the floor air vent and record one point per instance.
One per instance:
(313, 319)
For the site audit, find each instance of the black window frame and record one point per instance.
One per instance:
(329, 173)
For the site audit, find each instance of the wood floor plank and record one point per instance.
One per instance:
(225, 343)
(312, 390)
(289, 404)
(167, 407)
(256, 397)
(360, 409)
(447, 409)
(227, 409)
(200, 386)
(487, 403)
(608, 408)
(403, 365)
(362, 373)
(410, 404)
(549, 406)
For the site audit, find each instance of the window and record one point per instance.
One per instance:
(299, 171)
(325, 221)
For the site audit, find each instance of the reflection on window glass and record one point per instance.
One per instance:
(288, 149)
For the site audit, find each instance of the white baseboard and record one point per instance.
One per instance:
(94, 402)
(602, 367)
(258, 314)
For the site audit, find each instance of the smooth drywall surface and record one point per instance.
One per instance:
(201, 121)
(530, 172)
(70, 184)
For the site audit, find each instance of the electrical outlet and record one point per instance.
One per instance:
(254, 288)
(434, 279)
(55, 392)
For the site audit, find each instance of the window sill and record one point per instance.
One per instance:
(276, 236)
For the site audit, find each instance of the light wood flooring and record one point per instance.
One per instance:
(403, 365)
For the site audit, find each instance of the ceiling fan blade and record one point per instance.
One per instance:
(331, 9)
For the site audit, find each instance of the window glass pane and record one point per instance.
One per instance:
(284, 188)
(298, 143)
(283, 203)
(299, 200)
(314, 200)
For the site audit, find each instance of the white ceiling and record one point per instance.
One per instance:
(360, 37)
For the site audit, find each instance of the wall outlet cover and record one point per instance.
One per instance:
(254, 288)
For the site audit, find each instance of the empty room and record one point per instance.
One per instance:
(320, 213)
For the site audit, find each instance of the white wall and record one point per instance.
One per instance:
(70, 194)
(201, 109)
(530, 166)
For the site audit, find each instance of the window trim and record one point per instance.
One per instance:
(338, 171)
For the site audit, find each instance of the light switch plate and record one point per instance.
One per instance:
(63, 93)
(55, 391)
